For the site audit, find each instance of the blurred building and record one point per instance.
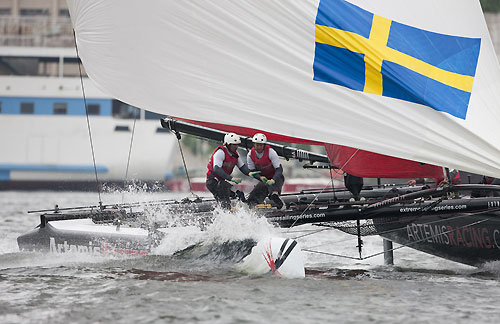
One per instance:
(47, 23)
(35, 23)
(493, 21)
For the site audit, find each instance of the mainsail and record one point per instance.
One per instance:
(416, 80)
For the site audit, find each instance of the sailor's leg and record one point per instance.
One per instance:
(221, 190)
(277, 186)
(275, 192)
(224, 194)
(240, 195)
(258, 194)
(212, 184)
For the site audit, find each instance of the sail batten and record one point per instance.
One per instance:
(258, 64)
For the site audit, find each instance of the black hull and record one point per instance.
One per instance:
(472, 240)
(461, 230)
(466, 230)
(51, 239)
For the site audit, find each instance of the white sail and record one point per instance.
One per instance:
(257, 64)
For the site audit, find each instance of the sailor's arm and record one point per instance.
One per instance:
(251, 166)
(218, 161)
(275, 160)
(243, 167)
(278, 172)
(250, 163)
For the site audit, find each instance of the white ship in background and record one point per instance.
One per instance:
(44, 141)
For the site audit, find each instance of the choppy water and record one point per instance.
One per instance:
(163, 288)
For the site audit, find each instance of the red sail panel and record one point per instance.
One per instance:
(373, 165)
(353, 161)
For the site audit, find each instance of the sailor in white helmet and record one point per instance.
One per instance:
(265, 165)
(221, 165)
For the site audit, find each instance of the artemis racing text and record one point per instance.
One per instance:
(104, 248)
(468, 236)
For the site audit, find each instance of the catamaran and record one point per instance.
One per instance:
(391, 89)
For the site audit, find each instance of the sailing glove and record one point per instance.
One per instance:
(236, 180)
(254, 174)
(270, 182)
(263, 179)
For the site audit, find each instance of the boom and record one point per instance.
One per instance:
(286, 152)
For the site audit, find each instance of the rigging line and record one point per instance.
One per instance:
(427, 208)
(333, 184)
(331, 243)
(314, 232)
(425, 223)
(396, 248)
(128, 160)
(304, 231)
(399, 228)
(184, 162)
(88, 121)
(332, 254)
(309, 205)
(316, 196)
(423, 209)
(381, 233)
(425, 239)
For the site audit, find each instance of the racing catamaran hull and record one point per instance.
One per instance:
(465, 230)
(471, 240)
(83, 236)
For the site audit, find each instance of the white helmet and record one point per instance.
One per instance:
(259, 138)
(231, 138)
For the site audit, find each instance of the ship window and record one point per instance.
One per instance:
(18, 65)
(27, 108)
(119, 128)
(72, 67)
(60, 109)
(152, 115)
(64, 13)
(93, 109)
(125, 111)
(34, 12)
(5, 11)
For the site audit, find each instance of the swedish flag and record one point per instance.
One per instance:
(366, 52)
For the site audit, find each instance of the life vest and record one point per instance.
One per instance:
(264, 164)
(230, 160)
(488, 180)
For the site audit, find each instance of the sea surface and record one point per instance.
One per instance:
(168, 288)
